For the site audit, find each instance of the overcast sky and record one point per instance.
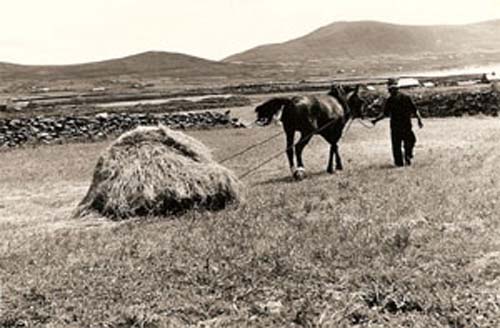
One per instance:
(75, 31)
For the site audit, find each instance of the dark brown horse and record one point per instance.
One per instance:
(325, 115)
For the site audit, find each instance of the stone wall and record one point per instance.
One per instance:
(19, 131)
(457, 103)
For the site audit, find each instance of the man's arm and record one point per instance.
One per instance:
(383, 114)
(419, 119)
(417, 112)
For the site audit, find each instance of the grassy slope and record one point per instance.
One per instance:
(149, 65)
(356, 40)
(369, 47)
(409, 247)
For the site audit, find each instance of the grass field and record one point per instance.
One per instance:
(371, 246)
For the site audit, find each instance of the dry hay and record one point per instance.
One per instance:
(158, 171)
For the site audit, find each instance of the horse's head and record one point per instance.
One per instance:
(349, 95)
(337, 91)
(356, 103)
(267, 111)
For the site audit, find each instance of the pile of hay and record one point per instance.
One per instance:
(158, 171)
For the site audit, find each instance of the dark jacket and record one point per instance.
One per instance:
(400, 109)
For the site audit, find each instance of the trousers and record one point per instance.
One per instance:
(406, 139)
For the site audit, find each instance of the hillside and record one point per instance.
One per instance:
(365, 39)
(358, 48)
(148, 64)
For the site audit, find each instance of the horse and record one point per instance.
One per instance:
(325, 115)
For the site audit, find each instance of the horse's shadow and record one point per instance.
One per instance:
(384, 166)
(289, 179)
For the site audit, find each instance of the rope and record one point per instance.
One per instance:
(261, 164)
(251, 147)
(286, 149)
(366, 125)
(348, 127)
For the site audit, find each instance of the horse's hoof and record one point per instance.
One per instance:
(299, 174)
(330, 171)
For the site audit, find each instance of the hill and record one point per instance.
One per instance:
(344, 41)
(356, 48)
(148, 64)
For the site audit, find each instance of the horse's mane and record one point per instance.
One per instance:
(346, 95)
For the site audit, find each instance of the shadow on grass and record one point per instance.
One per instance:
(289, 179)
(384, 166)
(309, 175)
(389, 166)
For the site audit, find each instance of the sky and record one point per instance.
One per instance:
(77, 31)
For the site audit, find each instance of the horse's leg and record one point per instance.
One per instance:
(334, 150)
(289, 149)
(299, 147)
(338, 160)
(333, 137)
(329, 167)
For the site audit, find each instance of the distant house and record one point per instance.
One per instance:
(408, 82)
(36, 89)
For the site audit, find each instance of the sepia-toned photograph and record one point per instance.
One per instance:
(237, 163)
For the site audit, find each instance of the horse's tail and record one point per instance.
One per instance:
(283, 103)
(272, 107)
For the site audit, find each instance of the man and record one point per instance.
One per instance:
(400, 108)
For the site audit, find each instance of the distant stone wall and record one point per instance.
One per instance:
(67, 106)
(458, 103)
(36, 130)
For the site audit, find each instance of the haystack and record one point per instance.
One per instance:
(158, 171)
